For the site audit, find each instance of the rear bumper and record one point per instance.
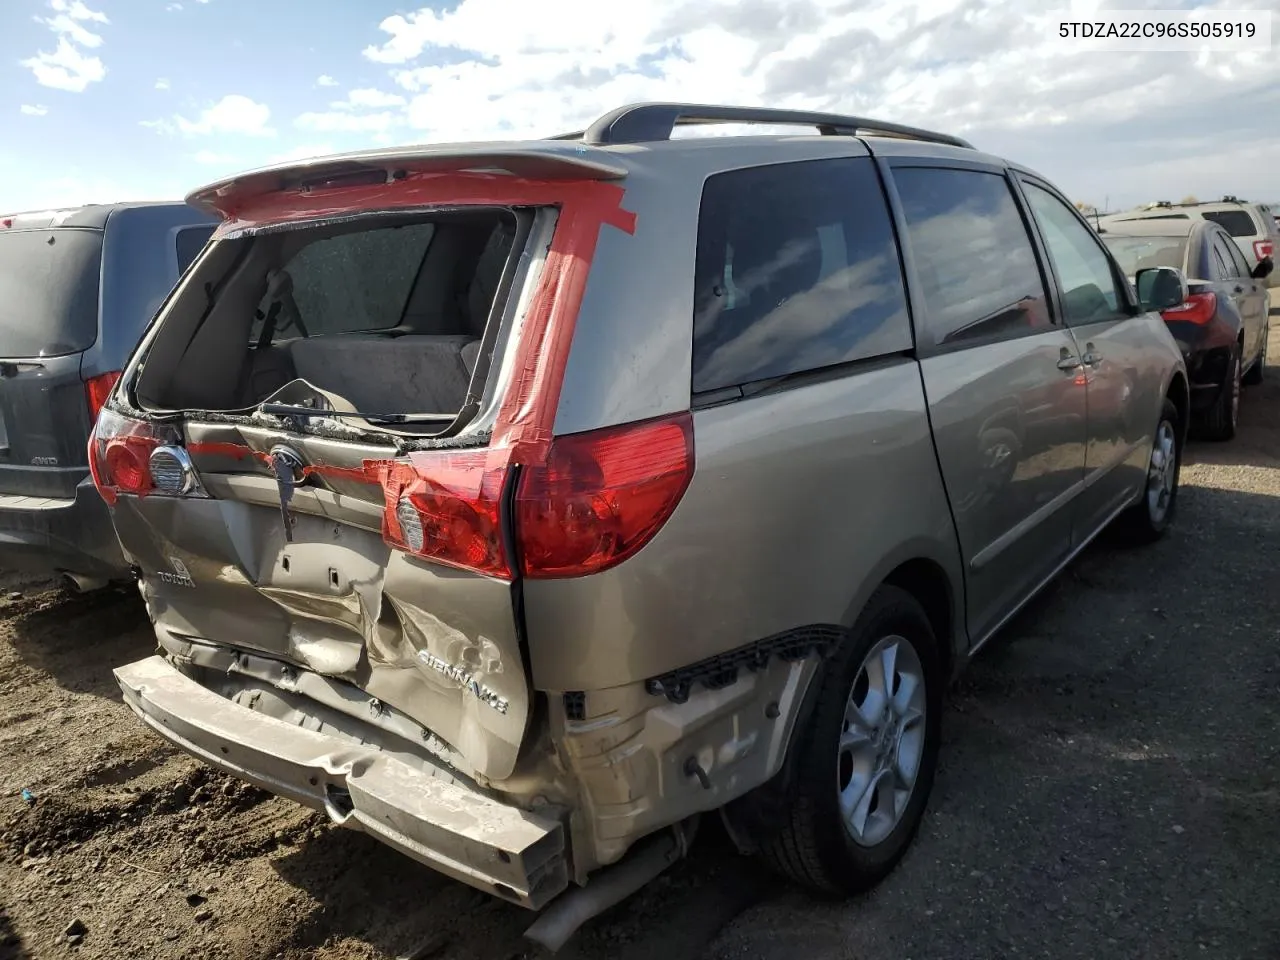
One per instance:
(464, 834)
(48, 535)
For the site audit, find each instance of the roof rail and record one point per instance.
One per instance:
(646, 122)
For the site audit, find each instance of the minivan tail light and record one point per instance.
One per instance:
(98, 389)
(601, 496)
(1198, 308)
(120, 455)
(1263, 249)
(446, 507)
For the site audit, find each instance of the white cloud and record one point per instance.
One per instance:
(68, 67)
(987, 69)
(173, 7)
(233, 114)
(364, 111)
(162, 83)
(372, 99)
(33, 110)
(324, 80)
(303, 151)
(342, 122)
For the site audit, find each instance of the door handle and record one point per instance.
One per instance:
(1091, 359)
(1069, 361)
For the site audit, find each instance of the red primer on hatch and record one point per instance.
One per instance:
(527, 413)
(456, 494)
(241, 451)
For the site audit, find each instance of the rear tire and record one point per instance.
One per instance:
(1220, 420)
(1150, 518)
(1258, 372)
(852, 813)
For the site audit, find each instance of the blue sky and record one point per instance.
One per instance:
(142, 99)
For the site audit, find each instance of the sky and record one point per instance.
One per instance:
(105, 100)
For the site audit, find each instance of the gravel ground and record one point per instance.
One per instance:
(1108, 789)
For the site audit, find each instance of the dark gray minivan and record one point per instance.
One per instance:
(77, 289)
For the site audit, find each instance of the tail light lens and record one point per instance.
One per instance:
(601, 496)
(120, 453)
(1263, 249)
(97, 389)
(446, 507)
(598, 499)
(1199, 308)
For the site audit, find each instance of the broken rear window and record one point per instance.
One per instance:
(383, 314)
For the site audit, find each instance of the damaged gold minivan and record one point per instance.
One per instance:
(520, 503)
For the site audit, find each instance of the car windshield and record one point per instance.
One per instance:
(1139, 253)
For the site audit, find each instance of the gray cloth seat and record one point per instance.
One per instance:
(411, 374)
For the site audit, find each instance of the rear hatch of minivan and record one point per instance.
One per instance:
(49, 292)
(317, 453)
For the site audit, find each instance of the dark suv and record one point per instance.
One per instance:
(518, 503)
(77, 288)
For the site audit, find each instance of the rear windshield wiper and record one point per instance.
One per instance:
(311, 413)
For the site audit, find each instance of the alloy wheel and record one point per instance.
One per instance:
(882, 740)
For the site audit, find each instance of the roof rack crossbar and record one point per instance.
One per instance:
(647, 122)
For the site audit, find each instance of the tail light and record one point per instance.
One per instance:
(130, 456)
(1198, 308)
(97, 389)
(1263, 249)
(446, 507)
(598, 499)
(601, 496)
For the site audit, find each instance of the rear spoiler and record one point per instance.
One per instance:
(535, 160)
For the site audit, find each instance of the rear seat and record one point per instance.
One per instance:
(377, 374)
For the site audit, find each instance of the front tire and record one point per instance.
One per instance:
(1150, 518)
(868, 756)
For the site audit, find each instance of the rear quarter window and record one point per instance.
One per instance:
(49, 283)
(797, 270)
(1238, 223)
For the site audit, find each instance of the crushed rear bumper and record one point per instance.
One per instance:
(462, 833)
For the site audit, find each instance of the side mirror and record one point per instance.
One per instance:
(1160, 288)
(1263, 269)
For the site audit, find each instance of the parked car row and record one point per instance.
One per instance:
(1226, 252)
(520, 503)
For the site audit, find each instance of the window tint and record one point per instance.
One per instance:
(1236, 222)
(1222, 248)
(356, 281)
(1140, 253)
(975, 262)
(796, 270)
(1242, 266)
(49, 291)
(1218, 264)
(1089, 290)
(189, 243)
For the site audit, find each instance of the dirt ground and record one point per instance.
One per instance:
(1109, 788)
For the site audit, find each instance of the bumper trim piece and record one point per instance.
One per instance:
(516, 855)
